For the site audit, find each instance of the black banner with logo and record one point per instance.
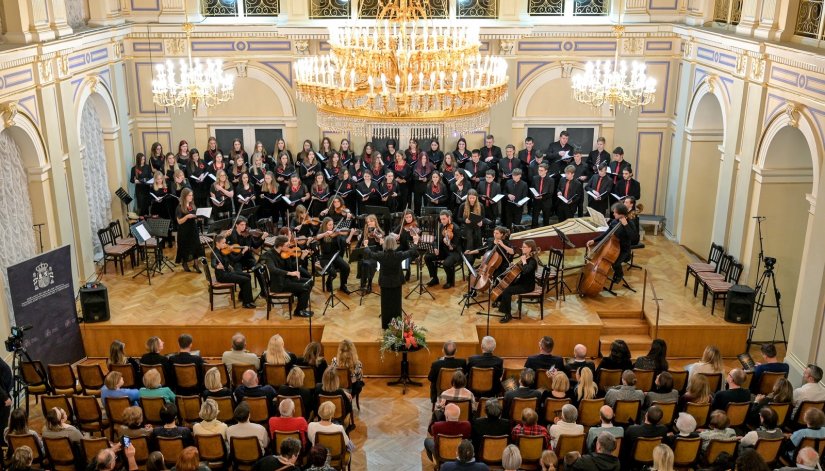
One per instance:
(42, 297)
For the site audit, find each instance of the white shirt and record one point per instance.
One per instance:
(315, 427)
(564, 428)
(248, 429)
(808, 392)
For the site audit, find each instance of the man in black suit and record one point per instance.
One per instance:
(524, 391)
(391, 275)
(734, 393)
(545, 360)
(559, 150)
(492, 424)
(284, 277)
(580, 360)
(618, 165)
(598, 155)
(572, 191)
(528, 154)
(447, 361)
(476, 167)
(185, 357)
(514, 190)
(250, 388)
(545, 187)
(490, 154)
(650, 428)
(628, 186)
(487, 360)
(487, 190)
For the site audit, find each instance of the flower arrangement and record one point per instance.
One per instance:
(401, 334)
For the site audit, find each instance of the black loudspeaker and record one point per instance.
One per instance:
(739, 304)
(94, 303)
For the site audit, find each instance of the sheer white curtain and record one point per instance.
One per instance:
(77, 12)
(94, 174)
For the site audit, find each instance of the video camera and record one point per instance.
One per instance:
(15, 340)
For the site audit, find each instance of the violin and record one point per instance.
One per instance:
(230, 249)
(412, 227)
(376, 233)
(312, 221)
(252, 233)
(448, 232)
(290, 252)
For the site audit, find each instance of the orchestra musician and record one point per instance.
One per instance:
(390, 278)
(618, 165)
(524, 283)
(571, 190)
(189, 245)
(285, 276)
(302, 223)
(633, 217)
(330, 241)
(221, 194)
(435, 154)
(461, 154)
(545, 186)
(141, 172)
(436, 193)
(242, 236)
(370, 237)
(408, 228)
(447, 250)
(602, 185)
(488, 189)
(516, 189)
(500, 241)
(227, 270)
(625, 236)
(598, 155)
(471, 215)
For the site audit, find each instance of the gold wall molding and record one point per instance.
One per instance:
(8, 111)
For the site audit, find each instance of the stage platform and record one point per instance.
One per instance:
(179, 302)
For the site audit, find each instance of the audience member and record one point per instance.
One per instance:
(566, 424)
(769, 364)
(295, 387)
(156, 462)
(814, 421)
(782, 393)
(511, 458)
(656, 358)
(579, 359)
(19, 425)
(170, 428)
(314, 357)
(697, 391)
(586, 387)
(213, 386)
(185, 357)
(106, 459)
(154, 345)
(606, 414)
(57, 426)
(750, 460)
(807, 458)
(189, 460)
(133, 426)
(117, 356)
(152, 387)
(288, 455)
(548, 460)
(244, 428)
(662, 390)
(250, 388)
(710, 364)
(113, 387)
(810, 390)
(718, 429)
(347, 357)
(287, 422)
(488, 360)
(527, 379)
(276, 353)
(449, 426)
(457, 392)
(529, 426)
(626, 392)
(447, 361)
(21, 459)
(330, 386)
(466, 459)
(325, 414)
(239, 355)
(602, 459)
(318, 459)
(650, 428)
(209, 424)
(685, 428)
(492, 424)
(619, 358)
(734, 393)
(570, 458)
(769, 429)
(545, 360)
(662, 458)
(559, 387)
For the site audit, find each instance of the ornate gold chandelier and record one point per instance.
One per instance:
(614, 83)
(402, 71)
(198, 82)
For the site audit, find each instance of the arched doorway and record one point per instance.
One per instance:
(782, 181)
(703, 138)
(95, 174)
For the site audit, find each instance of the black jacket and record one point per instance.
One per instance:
(391, 275)
(488, 426)
(597, 462)
(488, 360)
(435, 369)
(543, 361)
(186, 358)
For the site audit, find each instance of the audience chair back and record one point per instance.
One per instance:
(89, 416)
(518, 404)
(644, 379)
(221, 369)
(542, 380)
(817, 444)
(158, 368)
(699, 412)
(299, 405)
(63, 380)
(92, 446)
(799, 419)
(226, 408)
(589, 412)
(446, 448)
(275, 375)
(281, 436)
(748, 380)
(60, 401)
(151, 409)
(738, 413)
(237, 372)
(128, 374)
(60, 453)
(686, 451)
(340, 409)
(258, 409)
(714, 381)
(445, 376)
(668, 411)
(464, 406)
(514, 373)
(336, 445)
(643, 451)
(492, 447)
(609, 378)
(552, 408)
(716, 447)
(781, 409)
(34, 374)
(482, 404)
(481, 380)
(170, 447)
(309, 377)
(186, 377)
(568, 443)
(617, 452)
(189, 408)
(91, 379)
(16, 441)
(212, 449)
(768, 449)
(768, 379)
(141, 445)
(680, 378)
(531, 447)
(114, 410)
(626, 412)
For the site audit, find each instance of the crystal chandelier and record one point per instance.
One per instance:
(614, 83)
(197, 82)
(403, 70)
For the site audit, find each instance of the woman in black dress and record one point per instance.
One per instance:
(269, 198)
(139, 176)
(435, 154)
(346, 153)
(421, 175)
(156, 157)
(189, 247)
(402, 172)
(436, 193)
(198, 171)
(461, 154)
(524, 283)
(280, 148)
(330, 243)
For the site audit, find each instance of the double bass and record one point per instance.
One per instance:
(598, 263)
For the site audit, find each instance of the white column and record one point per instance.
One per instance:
(27, 21)
(59, 20)
(105, 13)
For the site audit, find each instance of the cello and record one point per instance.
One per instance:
(507, 278)
(490, 262)
(598, 264)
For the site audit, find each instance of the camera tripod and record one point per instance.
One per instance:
(767, 280)
(19, 385)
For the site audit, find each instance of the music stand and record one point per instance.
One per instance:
(423, 249)
(142, 235)
(432, 210)
(216, 227)
(565, 243)
(382, 213)
(469, 298)
(159, 229)
(332, 297)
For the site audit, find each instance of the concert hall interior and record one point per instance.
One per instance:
(391, 179)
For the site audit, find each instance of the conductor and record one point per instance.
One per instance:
(391, 275)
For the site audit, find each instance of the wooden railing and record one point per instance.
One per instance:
(654, 301)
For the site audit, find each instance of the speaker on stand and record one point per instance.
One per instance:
(739, 304)
(94, 302)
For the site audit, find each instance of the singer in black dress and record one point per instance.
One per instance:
(189, 246)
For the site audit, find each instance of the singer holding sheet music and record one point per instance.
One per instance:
(598, 190)
(470, 216)
(141, 177)
(569, 194)
(517, 196)
(490, 193)
(390, 276)
(189, 245)
(198, 173)
(436, 192)
(542, 190)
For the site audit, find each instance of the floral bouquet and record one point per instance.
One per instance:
(403, 334)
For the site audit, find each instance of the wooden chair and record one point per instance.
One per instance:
(117, 233)
(186, 378)
(618, 450)
(768, 379)
(445, 377)
(817, 444)
(481, 412)
(258, 409)
(531, 447)
(514, 373)
(88, 413)
(114, 407)
(781, 409)
(668, 411)
(151, 409)
(340, 457)
(537, 295)
(221, 369)
(91, 379)
(552, 408)
(341, 414)
(60, 453)
(274, 299)
(226, 408)
(309, 377)
(542, 380)
(644, 379)
(555, 273)
(481, 381)
(716, 447)
(236, 373)
(492, 447)
(768, 449)
(63, 380)
(216, 287)
(626, 412)
(700, 412)
(643, 450)
(686, 451)
(112, 252)
(517, 406)
(715, 255)
(738, 413)
(589, 412)
(714, 382)
(60, 401)
(345, 381)
(281, 436)
(464, 406)
(567, 443)
(798, 420)
(718, 289)
(609, 378)
(128, 373)
(92, 446)
(275, 375)
(141, 445)
(720, 274)
(34, 375)
(170, 447)
(299, 405)
(15, 441)
(748, 379)
(680, 378)
(189, 409)
(159, 368)
(446, 448)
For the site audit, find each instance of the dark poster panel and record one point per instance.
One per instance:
(42, 296)
(226, 136)
(542, 138)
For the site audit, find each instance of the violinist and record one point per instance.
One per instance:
(461, 154)
(330, 242)
(156, 157)
(421, 175)
(182, 156)
(238, 168)
(501, 242)
(409, 227)
(435, 154)
(471, 220)
(436, 193)
(189, 246)
(243, 237)
(198, 171)
(489, 189)
(302, 223)
(285, 276)
(269, 198)
(245, 192)
(308, 167)
(346, 153)
(524, 283)
(306, 149)
(338, 211)
(543, 190)
(401, 169)
(459, 189)
(227, 270)
(515, 190)
(370, 237)
(221, 194)
(367, 192)
(211, 151)
(625, 236)
(389, 191)
(141, 177)
(598, 190)
(319, 194)
(571, 190)
(447, 250)
(294, 193)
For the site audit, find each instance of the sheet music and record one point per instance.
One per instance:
(522, 201)
(205, 212)
(598, 219)
(594, 194)
(497, 198)
(561, 197)
(144, 234)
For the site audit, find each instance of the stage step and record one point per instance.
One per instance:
(639, 344)
(619, 327)
(621, 314)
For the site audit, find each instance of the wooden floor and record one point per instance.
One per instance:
(179, 302)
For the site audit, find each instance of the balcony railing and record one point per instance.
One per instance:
(241, 8)
(809, 19)
(727, 11)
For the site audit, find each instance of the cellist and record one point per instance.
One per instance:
(524, 283)
(501, 242)
(625, 236)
